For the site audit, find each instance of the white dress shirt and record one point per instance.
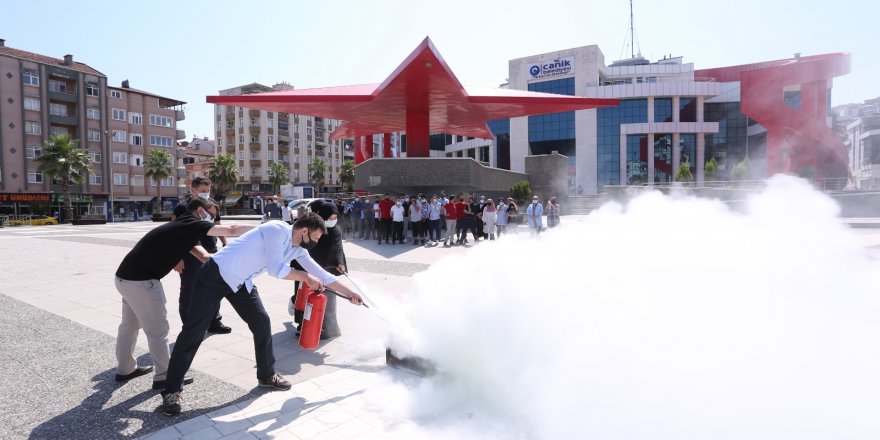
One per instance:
(266, 248)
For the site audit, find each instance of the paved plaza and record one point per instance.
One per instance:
(58, 330)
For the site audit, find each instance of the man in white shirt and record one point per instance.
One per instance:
(230, 274)
(397, 222)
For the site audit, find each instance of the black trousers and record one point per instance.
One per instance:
(191, 266)
(397, 235)
(386, 229)
(208, 290)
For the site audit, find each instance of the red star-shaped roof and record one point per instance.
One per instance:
(423, 85)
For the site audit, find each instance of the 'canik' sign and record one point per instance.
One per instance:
(556, 67)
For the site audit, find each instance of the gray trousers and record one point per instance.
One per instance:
(143, 307)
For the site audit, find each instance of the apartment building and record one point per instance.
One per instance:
(198, 158)
(42, 96)
(258, 138)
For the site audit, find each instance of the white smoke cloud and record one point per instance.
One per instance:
(669, 318)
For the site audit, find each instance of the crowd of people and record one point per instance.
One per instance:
(439, 219)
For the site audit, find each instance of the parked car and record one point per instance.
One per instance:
(35, 220)
(296, 203)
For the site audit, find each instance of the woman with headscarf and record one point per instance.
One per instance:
(552, 213)
(328, 253)
(490, 215)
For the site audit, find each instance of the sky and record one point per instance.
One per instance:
(189, 49)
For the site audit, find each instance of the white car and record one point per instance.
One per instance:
(296, 203)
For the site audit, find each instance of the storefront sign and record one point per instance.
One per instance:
(76, 198)
(555, 67)
(18, 197)
(255, 193)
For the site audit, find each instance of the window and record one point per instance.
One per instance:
(33, 127)
(30, 78)
(31, 103)
(94, 135)
(169, 181)
(687, 109)
(119, 157)
(135, 118)
(161, 121)
(57, 109)
(255, 139)
(116, 94)
(241, 155)
(296, 128)
(254, 156)
(119, 136)
(241, 138)
(296, 143)
(137, 160)
(96, 179)
(271, 155)
(58, 86)
(35, 177)
(254, 123)
(137, 139)
(137, 180)
(271, 139)
(161, 141)
(118, 115)
(662, 109)
(58, 131)
(32, 151)
(93, 113)
(95, 156)
(120, 179)
(92, 89)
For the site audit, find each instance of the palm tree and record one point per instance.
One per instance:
(158, 166)
(277, 175)
(62, 159)
(223, 173)
(346, 174)
(316, 173)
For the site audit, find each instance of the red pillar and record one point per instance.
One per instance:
(367, 146)
(386, 145)
(418, 136)
(358, 150)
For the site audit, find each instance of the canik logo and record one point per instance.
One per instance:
(535, 70)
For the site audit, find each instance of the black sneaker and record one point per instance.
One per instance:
(138, 372)
(171, 404)
(277, 382)
(219, 328)
(160, 384)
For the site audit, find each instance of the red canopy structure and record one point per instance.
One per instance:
(421, 96)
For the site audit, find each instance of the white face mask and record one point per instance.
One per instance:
(209, 218)
(330, 223)
(206, 195)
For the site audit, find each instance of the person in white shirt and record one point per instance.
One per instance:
(285, 214)
(230, 274)
(397, 222)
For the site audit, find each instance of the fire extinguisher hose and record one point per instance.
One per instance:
(342, 296)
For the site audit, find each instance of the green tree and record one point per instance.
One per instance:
(346, 174)
(521, 192)
(710, 170)
(224, 174)
(62, 159)
(684, 173)
(277, 175)
(158, 166)
(316, 173)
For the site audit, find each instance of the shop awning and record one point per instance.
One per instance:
(231, 200)
(134, 198)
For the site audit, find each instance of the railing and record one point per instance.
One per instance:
(830, 184)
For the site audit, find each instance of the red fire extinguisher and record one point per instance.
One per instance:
(302, 296)
(313, 318)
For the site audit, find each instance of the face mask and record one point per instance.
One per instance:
(205, 195)
(399, 203)
(307, 245)
(330, 223)
(209, 218)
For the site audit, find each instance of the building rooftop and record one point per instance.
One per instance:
(45, 59)
(163, 101)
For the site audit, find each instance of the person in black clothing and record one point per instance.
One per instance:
(469, 221)
(191, 265)
(329, 254)
(478, 216)
(143, 299)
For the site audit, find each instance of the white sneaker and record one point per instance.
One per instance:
(290, 306)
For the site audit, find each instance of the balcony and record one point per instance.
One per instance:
(63, 119)
(180, 134)
(254, 129)
(256, 179)
(255, 162)
(179, 115)
(283, 148)
(63, 95)
(230, 115)
(254, 113)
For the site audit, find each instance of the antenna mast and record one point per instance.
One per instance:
(632, 34)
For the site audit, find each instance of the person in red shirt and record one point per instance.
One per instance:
(385, 218)
(451, 214)
(462, 209)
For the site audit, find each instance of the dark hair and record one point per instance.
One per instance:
(312, 221)
(198, 202)
(199, 181)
